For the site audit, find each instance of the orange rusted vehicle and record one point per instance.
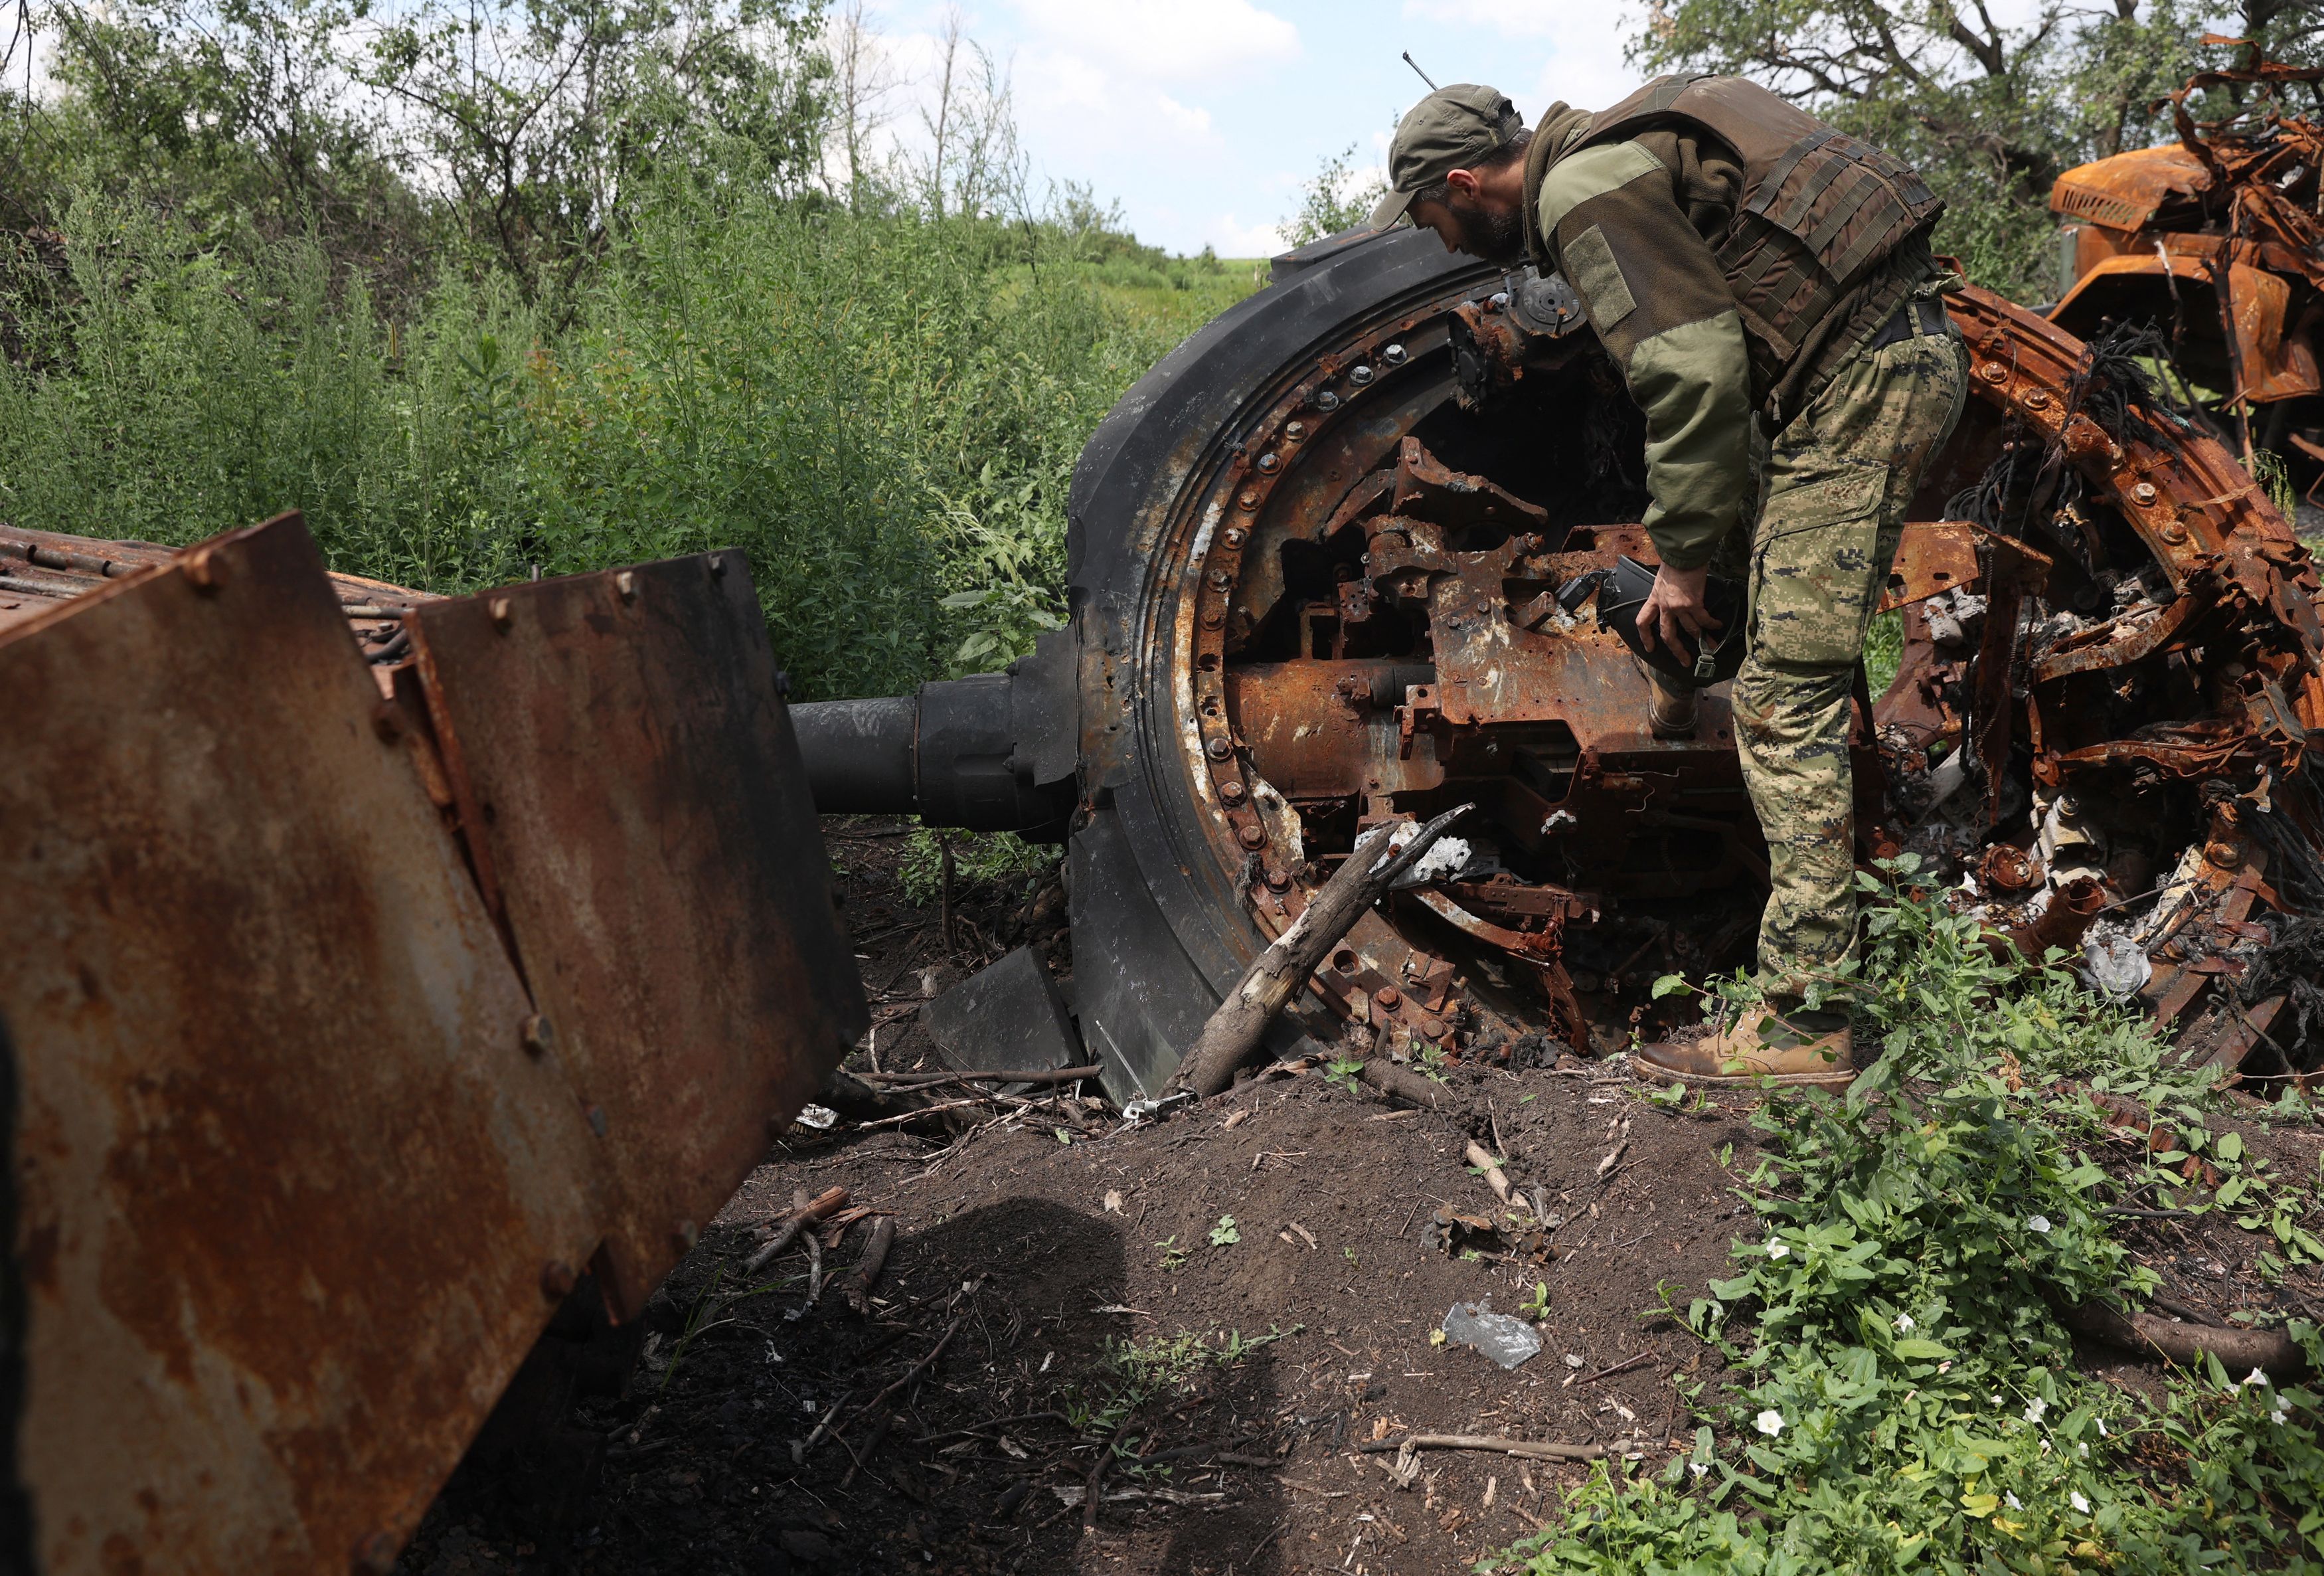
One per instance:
(2214, 242)
(382, 979)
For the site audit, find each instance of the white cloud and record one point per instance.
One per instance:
(1230, 237)
(1187, 120)
(1584, 65)
(1182, 40)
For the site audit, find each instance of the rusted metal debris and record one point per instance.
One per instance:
(2213, 242)
(355, 1015)
(2110, 673)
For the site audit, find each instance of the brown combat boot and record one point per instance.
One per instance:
(1670, 709)
(1797, 1048)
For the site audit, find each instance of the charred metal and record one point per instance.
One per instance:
(1367, 595)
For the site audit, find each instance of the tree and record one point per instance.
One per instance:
(544, 116)
(1336, 199)
(1991, 111)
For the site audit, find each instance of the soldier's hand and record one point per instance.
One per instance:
(1675, 604)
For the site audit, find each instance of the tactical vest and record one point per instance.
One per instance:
(1818, 208)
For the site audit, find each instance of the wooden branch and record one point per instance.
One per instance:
(2271, 1352)
(1392, 1081)
(932, 1080)
(866, 1273)
(1509, 1447)
(812, 1213)
(1235, 1029)
(1477, 1155)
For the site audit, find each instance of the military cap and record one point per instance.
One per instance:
(1454, 128)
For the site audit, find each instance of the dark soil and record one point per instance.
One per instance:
(1070, 1257)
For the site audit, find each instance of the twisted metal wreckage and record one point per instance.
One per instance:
(392, 985)
(1332, 563)
(2214, 242)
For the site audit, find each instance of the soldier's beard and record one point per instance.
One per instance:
(1495, 235)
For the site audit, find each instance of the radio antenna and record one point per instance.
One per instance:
(1416, 70)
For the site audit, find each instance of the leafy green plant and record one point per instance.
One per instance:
(1537, 1303)
(1172, 1256)
(992, 859)
(1904, 1396)
(1344, 1072)
(1225, 1234)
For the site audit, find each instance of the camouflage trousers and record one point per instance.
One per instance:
(1834, 485)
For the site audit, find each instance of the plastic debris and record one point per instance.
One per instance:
(2114, 963)
(1505, 1339)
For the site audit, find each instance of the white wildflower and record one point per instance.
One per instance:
(1904, 1322)
(2077, 1502)
(2038, 1223)
(2102, 1429)
(1779, 1250)
(2012, 1502)
(1697, 1467)
(2255, 1377)
(2034, 1408)
(2083, 1449)
(1945, 1366)
(2283, 1410)
(1769, 1423)
(1996, 1397)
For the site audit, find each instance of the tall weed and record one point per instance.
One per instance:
(881, 408)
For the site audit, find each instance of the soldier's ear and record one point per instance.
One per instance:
(1464, 182)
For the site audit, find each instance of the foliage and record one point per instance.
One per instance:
(1336, 198)
(1991, 111)
(1225, 1234)
(992, 859)
(882, 411)
(1903, 1394)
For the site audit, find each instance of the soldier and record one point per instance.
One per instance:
(1766, 287)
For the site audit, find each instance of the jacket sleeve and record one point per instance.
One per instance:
(1654, 293)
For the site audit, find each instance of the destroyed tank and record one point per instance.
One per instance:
(1331, 565)
(2210, 249)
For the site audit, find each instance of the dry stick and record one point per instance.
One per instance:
(1097, 1472)
(1513, 1447)
(878, 1433)
(859, 1280)
(944, 843)
(812, 1213)
(1391, 1082)
(1235, 1029)
(814, 1272)
(911, 1373)
(801, 1447)
(1623, 1367)
(1477, 1155)
(930, 1080)
(890, 1121)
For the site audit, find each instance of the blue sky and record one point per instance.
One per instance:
(1203, 117)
